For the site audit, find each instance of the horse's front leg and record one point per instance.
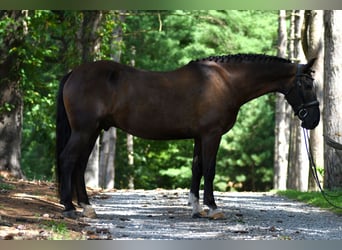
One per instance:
(210, 145)
(197, 174)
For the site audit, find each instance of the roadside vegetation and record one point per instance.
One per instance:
(317, 199)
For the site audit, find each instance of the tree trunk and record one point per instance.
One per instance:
(89, 45)
(11, 101)
(282, 112)
(11, 112)
(107, 159)
(130, 150)
(313, 45)
(130, 155)
(109, 138)
(332, 98)
(298, 169)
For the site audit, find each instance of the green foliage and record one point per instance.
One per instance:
(58, 230)
(155, 163)
(56, 227)
(6, 107)
(5, 186)
(50, 52)
(166, 40)
(245, 157)
(316, 198)
(39, 85)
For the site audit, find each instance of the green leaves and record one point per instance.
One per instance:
(6, 107)
(246, 153)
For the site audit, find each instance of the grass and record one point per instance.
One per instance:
(316, 199)
(5, 186)
(58, 229)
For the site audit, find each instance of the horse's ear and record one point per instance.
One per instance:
(309, 65)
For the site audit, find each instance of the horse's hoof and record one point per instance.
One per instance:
(216, 215)
(89, 212)
(201, 214)
(196, 216)
(70, 214)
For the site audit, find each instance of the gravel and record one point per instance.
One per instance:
(165, 214)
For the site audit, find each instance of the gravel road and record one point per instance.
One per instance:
(164, 214)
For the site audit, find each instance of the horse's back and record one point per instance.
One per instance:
(156, 105)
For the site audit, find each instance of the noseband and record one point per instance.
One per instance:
(301, 109)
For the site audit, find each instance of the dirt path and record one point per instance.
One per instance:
(162, 214)
(30, 210)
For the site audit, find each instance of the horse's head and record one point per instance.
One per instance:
(302, 97)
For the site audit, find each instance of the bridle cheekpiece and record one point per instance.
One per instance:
(301, 109)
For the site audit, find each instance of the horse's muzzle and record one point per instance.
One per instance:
(310, 117)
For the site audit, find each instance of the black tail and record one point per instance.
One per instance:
(63, 130)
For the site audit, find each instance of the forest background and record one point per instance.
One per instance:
(48, 44)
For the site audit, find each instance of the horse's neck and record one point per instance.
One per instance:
(251, 81)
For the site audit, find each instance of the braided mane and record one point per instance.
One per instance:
(239, 58)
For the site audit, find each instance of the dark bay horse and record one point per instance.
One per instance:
(198, 101)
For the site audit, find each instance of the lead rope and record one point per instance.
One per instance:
(313, 169)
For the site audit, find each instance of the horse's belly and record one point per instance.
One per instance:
(157, 131)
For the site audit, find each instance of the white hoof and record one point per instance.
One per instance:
(197, 211)
(88, 211)
(216, 214)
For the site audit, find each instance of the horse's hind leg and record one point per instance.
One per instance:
(68, 161)
(81, 191)
(71, 167)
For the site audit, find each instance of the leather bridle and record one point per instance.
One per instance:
(300, 109)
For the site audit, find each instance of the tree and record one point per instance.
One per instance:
(282, 117)
(88, 44)
(130, 142)
(298, 169)
(107, 159)
(109, 138)
(49, 54)
(310, 35)
(313, 46)
(14, 29)
(332, 114)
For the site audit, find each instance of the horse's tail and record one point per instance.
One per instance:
(63, 130)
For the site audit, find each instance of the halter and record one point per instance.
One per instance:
(301, 109)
